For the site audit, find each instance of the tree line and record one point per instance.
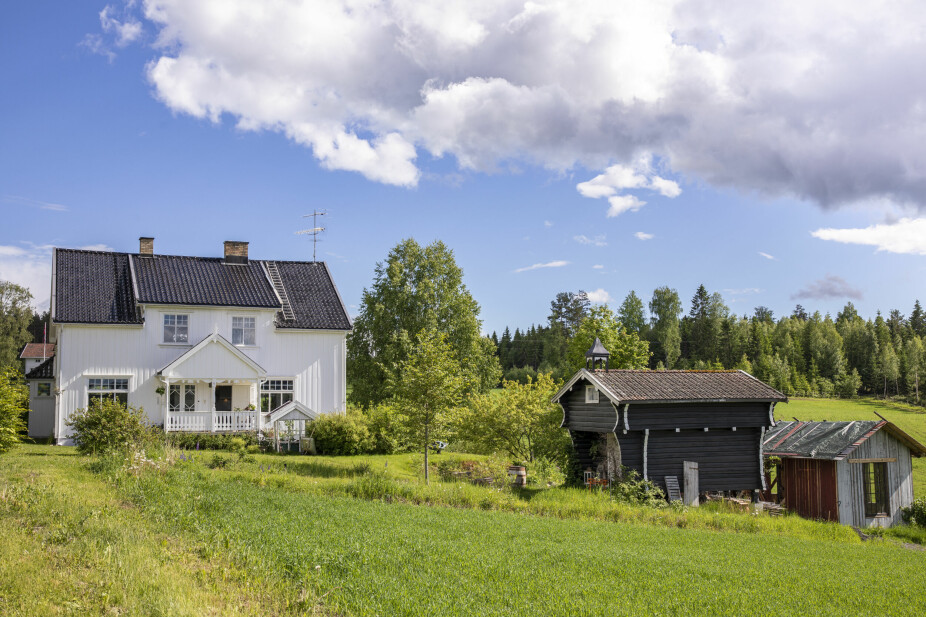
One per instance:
(800, 354)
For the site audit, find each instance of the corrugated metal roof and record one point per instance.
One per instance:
(635, 385)
(832, 441)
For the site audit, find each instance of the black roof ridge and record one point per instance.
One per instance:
(218, 258)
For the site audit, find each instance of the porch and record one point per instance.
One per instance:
(213, 387)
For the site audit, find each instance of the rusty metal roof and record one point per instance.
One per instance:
(831, 441)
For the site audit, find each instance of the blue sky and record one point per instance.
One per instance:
(98, 148)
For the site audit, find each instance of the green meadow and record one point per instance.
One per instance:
(287, 535)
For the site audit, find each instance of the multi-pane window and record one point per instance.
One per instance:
(591, 394)
(874, 476)
(243, 330)
(274, 393)
(182, 398)
(176, 328)
(43, 388)
(112, 389)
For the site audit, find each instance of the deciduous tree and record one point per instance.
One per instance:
(416, 289)
(626, 348)
(15, 317)
(427, 384)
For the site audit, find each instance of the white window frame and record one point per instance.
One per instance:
(107, 386)
(591, 394)
(164, 324)
(278, 386)
(38, 391)
(183, 390)
(244, 329)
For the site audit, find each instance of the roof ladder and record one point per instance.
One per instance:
(277, 281)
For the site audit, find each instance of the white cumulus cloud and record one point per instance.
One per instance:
(30, 267)
(642, 235)
(599, 296)
(767, 256)
(907, 235)
(549, 264)
(813, 100)
(596, 241)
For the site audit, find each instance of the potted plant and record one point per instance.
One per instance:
(159, 390)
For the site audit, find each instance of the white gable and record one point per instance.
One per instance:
(213, 358)
(292, 410)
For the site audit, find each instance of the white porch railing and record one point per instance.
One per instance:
(211, 421)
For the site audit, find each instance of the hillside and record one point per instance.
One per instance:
(275, 535)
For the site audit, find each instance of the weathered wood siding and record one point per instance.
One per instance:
(809, 488)
(728, 460)
(593, 417)
(697, 415)
(851, 482)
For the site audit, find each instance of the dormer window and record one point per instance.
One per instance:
(591, 394)
(244, 331)
(177, 329)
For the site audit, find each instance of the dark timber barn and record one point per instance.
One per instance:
(655, 421)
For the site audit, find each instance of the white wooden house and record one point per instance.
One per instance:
(203, 344)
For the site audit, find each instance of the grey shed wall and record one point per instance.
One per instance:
(849, 481)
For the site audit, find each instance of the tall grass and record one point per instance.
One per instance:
(377, 558)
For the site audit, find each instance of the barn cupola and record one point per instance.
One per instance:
(597, 354)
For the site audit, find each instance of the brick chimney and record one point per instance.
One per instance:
(146, 246)
(236, 252)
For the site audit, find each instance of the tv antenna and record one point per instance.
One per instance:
(314, 230)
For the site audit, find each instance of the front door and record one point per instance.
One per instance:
(223, 398)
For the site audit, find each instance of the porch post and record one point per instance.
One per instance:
(212, 426)
(166, 404)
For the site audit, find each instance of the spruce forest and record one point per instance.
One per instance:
(801, 354)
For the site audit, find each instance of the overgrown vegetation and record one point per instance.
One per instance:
(108, 426)
(915, 513)
(14, 401)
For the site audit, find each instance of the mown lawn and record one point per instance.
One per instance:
(910, 419)
(284, 540)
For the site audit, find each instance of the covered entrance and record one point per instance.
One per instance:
(213, 387)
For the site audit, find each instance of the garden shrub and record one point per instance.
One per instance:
(633, 489)
(544, 472)
(212, 441)
(342, 434)
(387, 429)
(108, 426)
(915, 513)
(14, 400)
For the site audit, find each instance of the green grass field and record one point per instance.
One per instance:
(910, 419)
(258, 538)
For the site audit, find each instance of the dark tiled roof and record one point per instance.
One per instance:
(36, 351)
(93, 287)
(45, 370)
(166, 279)
(313, 296)
(629, 385)
(829, 440)
(96, 287)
